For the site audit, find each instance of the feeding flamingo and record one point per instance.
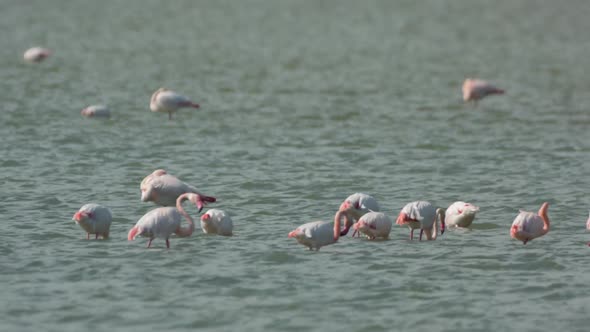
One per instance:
(98, 111)
(36, 54)
(165, 221)
(314, 234)
(356, 205)
(94, 219)
(163, 189)
(374, 225)
(474, 90)
(529, 225)
(216, 221)
(168, 101)
(422, 215)
(460, 214)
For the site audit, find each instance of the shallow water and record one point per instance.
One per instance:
(303, 103)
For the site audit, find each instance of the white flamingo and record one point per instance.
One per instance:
(36, 54)
(165, 221)
(460, 214)
(94, 219)
(422, 215)
(529, 225)
(168, 101)
(474, 90)
(163, 189)
(356, 205)
(96, 111)
(314, 234)
(374, 225)
(216, 221)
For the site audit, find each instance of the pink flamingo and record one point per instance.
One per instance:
(460, 214)
(216, 221)
(314, 235)
(36, 54)
(165, 221)
(355, 206)
(422, 215)
(168, 101)
(374, 225)
(98, 111)
(528, 225)
(163, 189)
(94, 219)
(474, 90)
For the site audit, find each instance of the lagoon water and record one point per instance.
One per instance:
(302, 104)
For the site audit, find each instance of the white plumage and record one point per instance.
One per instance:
(422, 215)
(314, 235)
(36, 54)
(460, 214)
(374, 225)
(168, 101)
(216, 221)
(163, 189)
(96, 111)
(94, 219)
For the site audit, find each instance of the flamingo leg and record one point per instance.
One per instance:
(411, 234)
(421, 232)
(167, 243)
(149, 243)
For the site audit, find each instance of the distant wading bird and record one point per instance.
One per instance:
(422, 215)
(474, 90)
(163, 189)
(96, 111)
(165, 221)
(94, 219)
(36, 54)
(528, 225)
(168, 101)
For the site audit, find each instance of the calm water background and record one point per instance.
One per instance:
(303, 103)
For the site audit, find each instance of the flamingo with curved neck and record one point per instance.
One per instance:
(165, 221)
(528, 225)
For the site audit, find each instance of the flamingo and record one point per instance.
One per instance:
(460, 214)
(164, 221)
(588, 222)
(474, 90)
(216, 221)
(422, 215)
(163, 189)
(36, 54)
(314, 234)
(374, 224)
(356, 205)
(99, 111)
(164, 100)
(528, 225)
(94, 219)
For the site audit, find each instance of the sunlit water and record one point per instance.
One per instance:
(303, 103)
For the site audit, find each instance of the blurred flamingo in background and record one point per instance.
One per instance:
(165, 221)
(94, 219)
(529, 225)
(97, 111)
(163, 189)
(36, 54)
(422, 215)
(474, 90)
(168, 101)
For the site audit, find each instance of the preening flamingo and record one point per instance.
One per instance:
(164, 189)
(165, 221)
(529, 225)
(168, 101)
(94, 219)
(460, 214)
(355, 206)
(374, 225)
(314, 234)
(474, 90)
(96, 111)
(216, 221)
(422, 215)
(36, 54)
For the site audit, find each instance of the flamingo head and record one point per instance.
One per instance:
(205, 217)
(197, 200)
(146, 193)
(402, 219)
(295, 234)
(87, 112)
(361, 224)
(81, 215)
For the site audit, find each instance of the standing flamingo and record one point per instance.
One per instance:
(97, 111)
(374, 225)
(163, 189)
(94, 219)
(168, 101)
(356, 205)
(422, 215)
(164, 221)
(36, 54)
(460, 214)
(474, 90)
(314, 234)
(528, 225)
(216, 221)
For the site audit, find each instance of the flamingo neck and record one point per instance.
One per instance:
(441, 216)
(543, 214)
(337, 219)
(184, 231)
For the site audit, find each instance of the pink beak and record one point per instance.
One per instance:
(293, 233)
(79, 215)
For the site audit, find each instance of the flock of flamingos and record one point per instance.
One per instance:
(359, 211)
